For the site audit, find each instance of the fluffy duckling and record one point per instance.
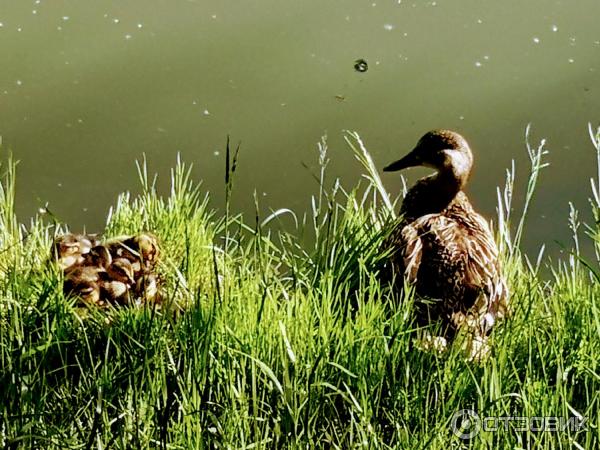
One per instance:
(146, 288)
(98, 256)
(68, 249)
(116, 284)
(84, 281)
(147, 243)
(141, 250)
(121, 269)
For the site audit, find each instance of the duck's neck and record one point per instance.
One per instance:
(449, 181)
(434, 193)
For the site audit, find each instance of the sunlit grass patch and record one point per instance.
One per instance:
(267, 341)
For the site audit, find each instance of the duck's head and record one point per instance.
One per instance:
(443, 150)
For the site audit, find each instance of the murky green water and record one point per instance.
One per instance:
(86, 87)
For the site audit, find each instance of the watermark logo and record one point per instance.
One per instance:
(466, 423)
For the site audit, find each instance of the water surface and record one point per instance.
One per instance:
(86, 88)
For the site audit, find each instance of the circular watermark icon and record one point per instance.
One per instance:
(465, 423)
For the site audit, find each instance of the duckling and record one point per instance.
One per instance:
(442, 246)
(146, 288)
(69, 249)
(121, 270)
(140, 250)
(98, 256)
(148, 248)
(84, 282)
(116, 283)
(144, 248)
(114, 292)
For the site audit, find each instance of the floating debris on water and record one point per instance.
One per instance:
(388, 27)
(536, 40)
(554, 28)
(361, 65)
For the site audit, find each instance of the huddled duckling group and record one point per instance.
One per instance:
(117, 271)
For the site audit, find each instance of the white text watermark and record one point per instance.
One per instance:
(466, 423)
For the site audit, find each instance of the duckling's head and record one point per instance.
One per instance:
(69, 248)
(98, 256)
(121, 270)
(148, 247)
(443, 150)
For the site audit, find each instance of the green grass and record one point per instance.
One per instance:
(267, 341)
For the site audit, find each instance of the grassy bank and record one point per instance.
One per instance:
(264, 341)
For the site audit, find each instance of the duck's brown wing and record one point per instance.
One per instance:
(484, 266)
(453, 261)
(405, 249)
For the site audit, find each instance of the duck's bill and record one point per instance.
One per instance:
(409, 160)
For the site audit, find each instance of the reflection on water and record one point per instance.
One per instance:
(88, 87)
